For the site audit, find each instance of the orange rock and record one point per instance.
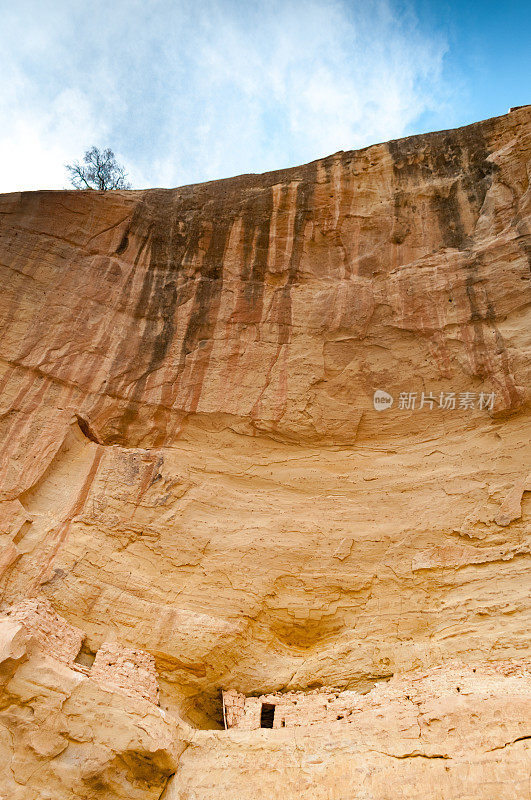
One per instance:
(192, 461)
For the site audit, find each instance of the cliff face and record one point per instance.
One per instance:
(192, 464)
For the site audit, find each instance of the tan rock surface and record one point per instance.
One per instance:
(64, 735)
(191, 464)
(449, 733)
(452, 731)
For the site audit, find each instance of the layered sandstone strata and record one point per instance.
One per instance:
(66, 735)
(192, 464)
(451, 731)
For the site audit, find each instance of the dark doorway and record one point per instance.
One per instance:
(85, 657)
(267, 715)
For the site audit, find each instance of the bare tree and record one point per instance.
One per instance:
(100, 170)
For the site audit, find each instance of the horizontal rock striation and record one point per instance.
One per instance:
(427, 734)
(192, 464)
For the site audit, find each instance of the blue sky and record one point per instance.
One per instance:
(191, 90)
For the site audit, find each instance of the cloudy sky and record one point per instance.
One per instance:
(192, 90)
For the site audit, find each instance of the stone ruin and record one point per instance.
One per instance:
(129, 671)
(289, 710)
(132, 672)
(55, 635)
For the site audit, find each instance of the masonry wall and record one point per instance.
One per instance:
(131, 671)
(292, 709)
(60, 639)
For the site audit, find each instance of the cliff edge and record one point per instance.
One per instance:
(273, 432)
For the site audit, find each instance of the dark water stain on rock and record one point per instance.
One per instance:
(151, 328)
(476, 317)
(255, 234)
(124, 243)
(184, 241)
(485, 357)
(208, 285)
(446, 207)
(454, 164)
(281, 307)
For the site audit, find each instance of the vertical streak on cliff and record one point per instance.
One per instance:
(489, 359)
(58, 535)
(155, 226)
(156, 301)
(338, 173)
(457, 169)
(118, 369)
(280, 310)
(198, 340)
(252, 232)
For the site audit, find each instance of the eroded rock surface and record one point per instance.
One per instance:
(449, 732)
(66, 734)
(191, 463)
(63, 734)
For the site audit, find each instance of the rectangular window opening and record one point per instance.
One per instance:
(85, 657)
(267, 715)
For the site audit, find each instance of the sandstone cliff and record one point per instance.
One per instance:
(192, 466)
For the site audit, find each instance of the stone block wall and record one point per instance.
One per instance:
(60, 639)
(131, 671)
(291, 709)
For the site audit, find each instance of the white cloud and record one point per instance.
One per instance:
(189, 91)
(34, 147)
